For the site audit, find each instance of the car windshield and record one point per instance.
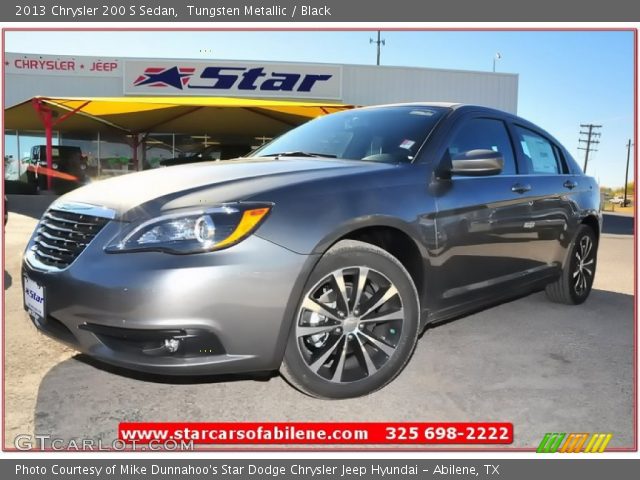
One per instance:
(386, 134)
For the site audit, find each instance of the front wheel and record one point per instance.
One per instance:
(356, 324)
(575, 282)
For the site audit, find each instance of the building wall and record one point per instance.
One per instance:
(20, 87)
(370, 85)
(360, 84)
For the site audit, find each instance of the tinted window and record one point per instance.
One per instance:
(539, 153)
(485, 134)
(387, 134)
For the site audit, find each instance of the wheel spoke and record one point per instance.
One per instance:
(338, 278)
(386, 317)
(588, 271)
(313, 306)
(337, 374)
(587, 247)
(576, 272)
(362, 280)
(371, 368)
(379, 344)
(306, 330)
(587, 263)
(380, 299)
(315, 366)
(335, 342)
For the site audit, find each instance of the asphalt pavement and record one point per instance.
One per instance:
(545, 367)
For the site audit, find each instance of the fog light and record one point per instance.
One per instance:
(172, 345)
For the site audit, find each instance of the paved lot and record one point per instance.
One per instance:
(545, 367)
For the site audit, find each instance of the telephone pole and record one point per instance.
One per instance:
(626, 175)
(378, 43)
(591, 140)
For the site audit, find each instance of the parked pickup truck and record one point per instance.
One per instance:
(68, 169)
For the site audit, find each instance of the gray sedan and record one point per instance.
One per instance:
(323, 254)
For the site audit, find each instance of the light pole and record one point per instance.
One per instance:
(496, 57)
(378, 43)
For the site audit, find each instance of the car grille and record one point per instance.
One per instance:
(62, 236)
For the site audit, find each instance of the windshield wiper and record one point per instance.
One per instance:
(300, 154)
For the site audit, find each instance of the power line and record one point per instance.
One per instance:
(626, 175)
(378, 43)
(592, 136)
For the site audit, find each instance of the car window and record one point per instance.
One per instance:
(485, 134)
(539, 153)
(391, 134)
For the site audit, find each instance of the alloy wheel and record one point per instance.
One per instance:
(582, 275)
(349, 324)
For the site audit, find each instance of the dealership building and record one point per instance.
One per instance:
(131, 113)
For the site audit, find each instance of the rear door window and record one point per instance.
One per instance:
(540, 155)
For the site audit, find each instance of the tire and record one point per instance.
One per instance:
(344, 352)
(575, 282)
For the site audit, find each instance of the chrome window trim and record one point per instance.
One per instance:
(84, 209)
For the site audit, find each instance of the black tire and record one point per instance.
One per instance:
(575, 282)
(366, 348)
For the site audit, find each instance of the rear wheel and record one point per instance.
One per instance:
(574, 285)
(356, 325)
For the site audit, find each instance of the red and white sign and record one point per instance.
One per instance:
(34, 64)
(232, 79)
(314, 433)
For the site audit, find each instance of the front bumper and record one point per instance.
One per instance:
(230, 310)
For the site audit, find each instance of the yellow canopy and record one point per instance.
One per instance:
(216, 116)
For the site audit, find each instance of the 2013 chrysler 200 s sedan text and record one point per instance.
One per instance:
(323, 254)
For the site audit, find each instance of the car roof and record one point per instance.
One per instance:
(418, 104)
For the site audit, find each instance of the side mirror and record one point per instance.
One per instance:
(477, 163)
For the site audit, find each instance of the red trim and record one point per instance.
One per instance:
(72, 112)
(46, 116)
(262, 29)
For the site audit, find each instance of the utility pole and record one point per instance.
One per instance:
(592, 139)
(626, 174)
(378, 43)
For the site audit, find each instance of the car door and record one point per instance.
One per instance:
(546, 172)
(481, 221)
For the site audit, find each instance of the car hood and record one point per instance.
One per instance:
(225, 181)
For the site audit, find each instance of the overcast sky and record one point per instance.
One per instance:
(565, 78)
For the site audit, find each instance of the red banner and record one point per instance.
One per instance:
(317, 433)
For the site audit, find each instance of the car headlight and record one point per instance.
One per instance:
(192, 231)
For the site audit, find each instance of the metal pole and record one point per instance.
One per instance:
(19, 156)
(626, 175)
(586, 155)
(378, 56)
(494, 64)
(48, 131)
(98, 154)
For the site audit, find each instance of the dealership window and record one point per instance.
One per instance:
(539, 153)
(11, 157)
(158, 147)
(18, 145)
(88, 143)
(116, 155)
(485, 134)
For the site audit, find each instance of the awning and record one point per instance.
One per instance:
(216, 116)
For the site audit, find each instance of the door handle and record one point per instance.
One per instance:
(520, 188)
(570, 184)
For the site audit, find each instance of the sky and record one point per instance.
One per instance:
(565, 78)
